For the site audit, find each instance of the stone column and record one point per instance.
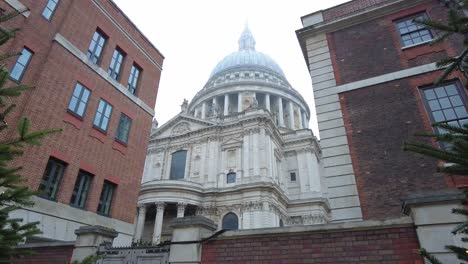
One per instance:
(196, 112)
(158, 221)
(181, 209)
(203, 110)
(239, 102)
(256, 155)
(280, 112)
(292, 125)
(304, 120)
(226, 104)
(245, 155)
(140, 221)
(299, 111)
(267, 102)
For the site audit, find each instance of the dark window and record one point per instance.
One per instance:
(133, 80)
(281, 224)
(106, 198)
(79, 100)
(412, 33)
(116, 63)
(49, 9)
(293, 176)
(80, 192)
(447, 104)
(51, 180)
(103, 114)
(231, 177)
(21, 64)
(124, 128)
(230, 221)
(178, 165)
(96, 46)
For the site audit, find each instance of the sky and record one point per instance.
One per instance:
(194, 36)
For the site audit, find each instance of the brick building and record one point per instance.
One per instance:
(96, 76)
(372, 70)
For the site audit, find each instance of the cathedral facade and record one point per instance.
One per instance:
(240, 153)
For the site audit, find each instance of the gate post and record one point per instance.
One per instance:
(189, 229)
(88, 239)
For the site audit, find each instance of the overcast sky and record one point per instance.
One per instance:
(195, 35)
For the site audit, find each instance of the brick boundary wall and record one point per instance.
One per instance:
(47, 255)
(332, 243)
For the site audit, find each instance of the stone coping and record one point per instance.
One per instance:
(334, 227)
(98, 230)
(193, 221)
(47, 244)
(441, 196)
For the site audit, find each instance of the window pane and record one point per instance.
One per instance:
(440, 92)
(451, 89)
(21, 65)
(434, 105)
(450, 114)
(445, 103)
(456, 100)
(51, 179)
(429, 93)
(79, 100)
(438, 116)
(178, 165)
(461, 112)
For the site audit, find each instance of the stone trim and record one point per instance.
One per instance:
(47, 244)
(98, 230)
(18, 6)
(333, 227)
(60, 39)
(430, 198)
(194, 221)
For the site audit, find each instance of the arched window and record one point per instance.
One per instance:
(281, 224)
(178, 165)
(230, 221)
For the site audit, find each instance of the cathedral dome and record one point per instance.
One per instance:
(248, 79)
(247, 57)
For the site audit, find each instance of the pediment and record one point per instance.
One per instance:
(179, 125)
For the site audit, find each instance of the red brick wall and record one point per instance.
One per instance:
(390, 245)
(54, 72)
(351, 7)
(392, 113)
(47, 255)
(373, 48)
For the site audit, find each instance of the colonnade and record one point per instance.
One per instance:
(289, 107)
(158, 221)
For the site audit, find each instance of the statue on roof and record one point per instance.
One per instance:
(184, 106)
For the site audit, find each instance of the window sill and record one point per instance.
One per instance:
(120, 147)
(47, 198)
(416, 45)
(98, 134)
(73, 120)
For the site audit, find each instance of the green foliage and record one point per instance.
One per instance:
(455, 156)
(13, 193)
(457, 24)
(454, 139)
